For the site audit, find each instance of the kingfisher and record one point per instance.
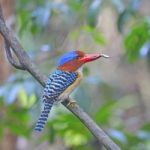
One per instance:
(63, 81)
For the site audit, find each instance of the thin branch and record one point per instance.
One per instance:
(10, 58)
(8, 49)
(31, 68)
(102, 137)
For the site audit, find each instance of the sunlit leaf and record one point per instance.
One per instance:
(23, 20)
(31, 100)
(22, 96)
(74, 139)
(70, 128)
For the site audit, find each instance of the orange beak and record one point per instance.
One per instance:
(91, 57)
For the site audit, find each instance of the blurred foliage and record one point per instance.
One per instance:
(138, 36)
(17, 97)
(55, 22)
(14, 118)
(126, 13)
(93, 12)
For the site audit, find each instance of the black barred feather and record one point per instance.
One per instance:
(57, 83)
(44, 116)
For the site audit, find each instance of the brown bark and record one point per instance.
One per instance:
(4, 69)
(8, 141)
(7, 6)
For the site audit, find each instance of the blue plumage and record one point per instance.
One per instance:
(57, 83)
(67, 57)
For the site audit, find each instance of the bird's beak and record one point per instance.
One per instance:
(91, 57)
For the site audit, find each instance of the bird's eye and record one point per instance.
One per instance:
(78, 57)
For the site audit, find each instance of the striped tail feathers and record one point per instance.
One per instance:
(44, 116)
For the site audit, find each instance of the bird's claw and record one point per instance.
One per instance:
(71, 104)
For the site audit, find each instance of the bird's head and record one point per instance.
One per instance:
(73, 60)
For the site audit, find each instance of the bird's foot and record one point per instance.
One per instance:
(71, 103)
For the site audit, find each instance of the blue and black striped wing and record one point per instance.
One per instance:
(57, 83)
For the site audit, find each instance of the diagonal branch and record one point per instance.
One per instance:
(10, 58)
(26, 62)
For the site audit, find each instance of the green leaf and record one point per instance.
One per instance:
(146, 127)
(17, 120)
(23, 98)
(19, 129)
(20, 114)
(2, 126)
(74, 139)
(52, 134)
(31, 100)
(105, 112)
(75, 4)
(23, 18)
(86, 71)
(69, 128)
(137, 37)
(98, 37)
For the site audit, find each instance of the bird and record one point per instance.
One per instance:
(63, 81)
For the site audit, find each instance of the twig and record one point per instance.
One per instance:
(30, 67)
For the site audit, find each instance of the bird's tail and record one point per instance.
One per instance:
(44, 116)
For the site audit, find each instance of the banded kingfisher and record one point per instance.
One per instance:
(63, 81)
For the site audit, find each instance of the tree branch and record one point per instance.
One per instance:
(28, 65)
(10, 58)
